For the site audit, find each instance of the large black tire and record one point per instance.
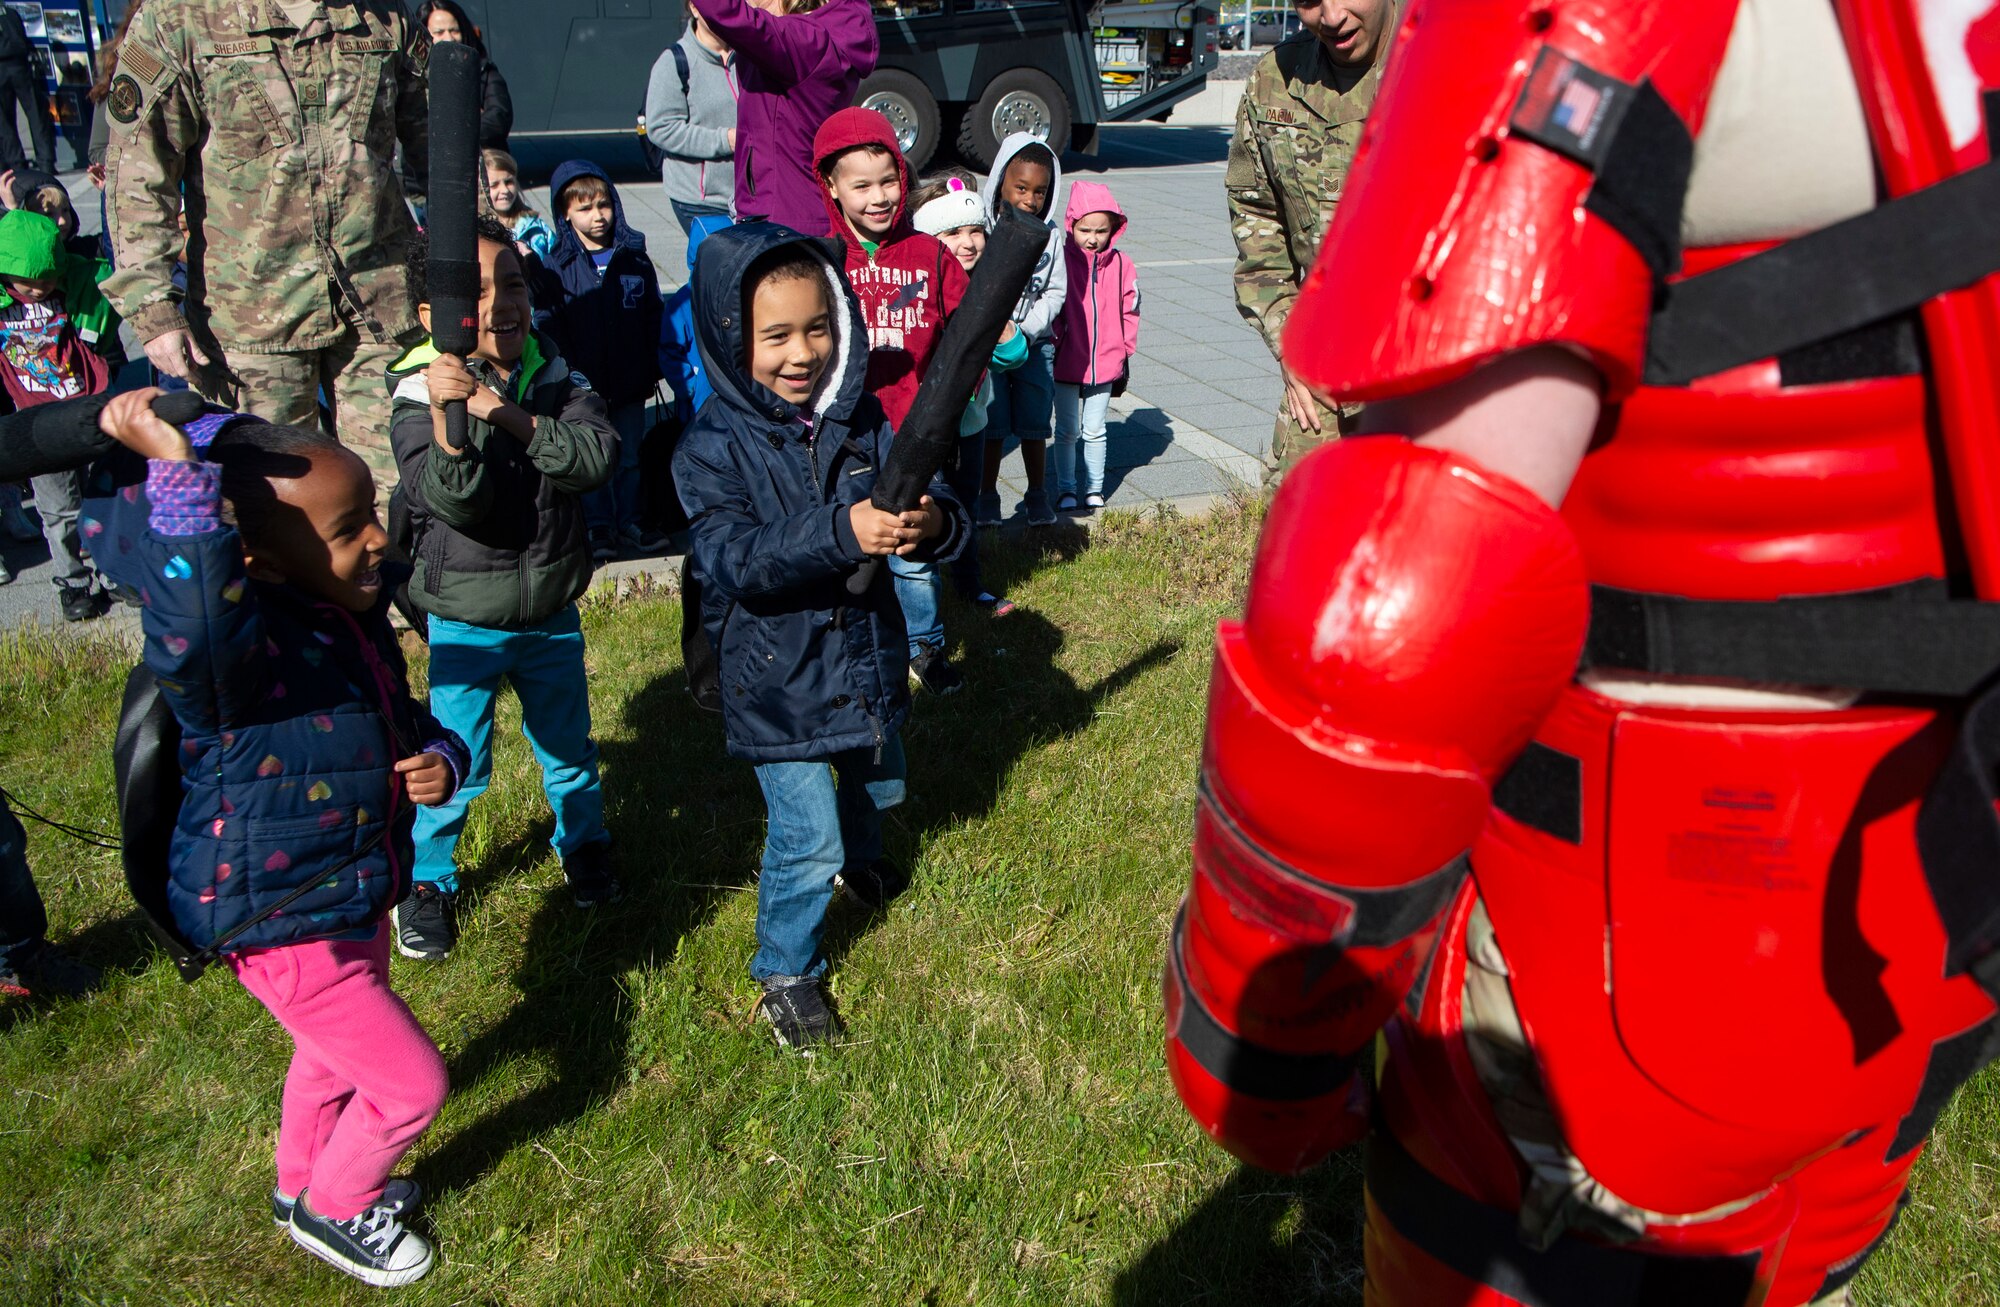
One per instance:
(909, 106)
(1020, 99)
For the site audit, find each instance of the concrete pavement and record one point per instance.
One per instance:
(1197, 418)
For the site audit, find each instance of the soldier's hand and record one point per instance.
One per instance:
(175, 353)
(1299, 397)
(129, 419)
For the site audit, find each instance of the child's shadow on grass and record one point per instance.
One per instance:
(1259, 1238)
(686, 824)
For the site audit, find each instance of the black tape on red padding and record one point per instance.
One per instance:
(1241, 1065)
(1483, 1244)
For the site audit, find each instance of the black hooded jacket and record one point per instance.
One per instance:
(806, 669)
(608, 327)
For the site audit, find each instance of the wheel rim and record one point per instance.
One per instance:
(1020, 111)
(902, 116)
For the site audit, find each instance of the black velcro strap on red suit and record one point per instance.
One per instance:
(1908, 639)
(1241, 1065)
(1483, 1244)
(1870, 267)
(1958, 842)
(1625, 133)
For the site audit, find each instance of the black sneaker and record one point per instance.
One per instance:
(588, 870)
(41, 970)
(932, 670)
(603, 545)
(122, 594)
(874, 886)
(427, 923)
(374, 1247)
(796, 1008)
(80, 603)
(401, 1196)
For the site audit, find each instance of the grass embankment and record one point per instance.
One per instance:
(999, 1127)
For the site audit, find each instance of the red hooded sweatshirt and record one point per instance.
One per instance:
(908, 284)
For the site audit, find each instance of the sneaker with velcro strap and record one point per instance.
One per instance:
(373, 1246)
(797, 1009)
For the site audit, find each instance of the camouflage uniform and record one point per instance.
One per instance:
(1296, 129)
(279, 119)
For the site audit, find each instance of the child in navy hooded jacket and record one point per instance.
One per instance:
(266, 582)
(775, 474)
(599, 300)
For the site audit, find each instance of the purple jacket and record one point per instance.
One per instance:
(795, 71)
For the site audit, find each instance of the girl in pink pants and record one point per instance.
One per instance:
(267, 633)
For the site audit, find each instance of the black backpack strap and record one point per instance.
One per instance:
(681, 64)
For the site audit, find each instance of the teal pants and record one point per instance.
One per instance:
(544, 664)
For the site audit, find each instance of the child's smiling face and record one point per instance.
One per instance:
(503, 192)
(966, 244)
(324, 536)
(791, 335)
(868, 186)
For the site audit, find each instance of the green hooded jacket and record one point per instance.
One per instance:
(31, 247)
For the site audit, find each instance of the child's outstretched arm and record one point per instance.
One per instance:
(791, 49)
(204, 633)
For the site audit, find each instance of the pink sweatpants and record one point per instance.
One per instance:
(365, 1078)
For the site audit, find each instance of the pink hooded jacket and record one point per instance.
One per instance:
(1099, 326)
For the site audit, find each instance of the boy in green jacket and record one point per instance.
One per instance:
(53, 325)
(497, 535)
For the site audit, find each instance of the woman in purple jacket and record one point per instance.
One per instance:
(799, 61)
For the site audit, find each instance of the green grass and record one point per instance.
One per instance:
(999, 1127)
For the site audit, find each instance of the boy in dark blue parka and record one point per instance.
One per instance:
(599, 298)
(775, 474)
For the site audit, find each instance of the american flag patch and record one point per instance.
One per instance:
(1570, 107)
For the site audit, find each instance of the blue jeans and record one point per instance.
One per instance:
(1024, 399)
(918, 588)
(615, 505)
(1081, 411)
(815, 828)
(544, 664)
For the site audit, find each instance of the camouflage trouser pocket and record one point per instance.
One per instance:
(1290, 442)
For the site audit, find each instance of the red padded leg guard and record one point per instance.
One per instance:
(1411, 617)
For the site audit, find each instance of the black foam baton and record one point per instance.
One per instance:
(63, 437)
(928, 438)
(452, 270)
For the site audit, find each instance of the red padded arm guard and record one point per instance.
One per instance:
(1457, 240)
(1411, 618)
